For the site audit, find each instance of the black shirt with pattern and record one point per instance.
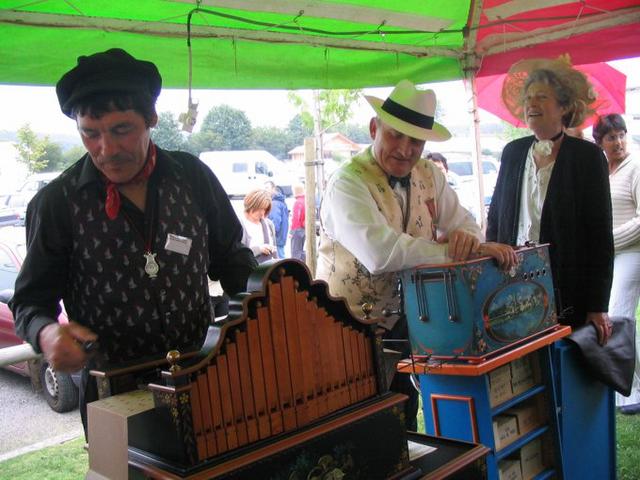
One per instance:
(96, 265)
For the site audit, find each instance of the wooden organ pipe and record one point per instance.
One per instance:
(287, 365)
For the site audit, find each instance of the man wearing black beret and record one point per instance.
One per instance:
(127, 236)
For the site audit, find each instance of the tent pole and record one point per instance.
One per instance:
(470, 68)
(476, 151)
(310, 204)
(319, 134)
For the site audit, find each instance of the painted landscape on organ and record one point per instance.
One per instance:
(516, 310)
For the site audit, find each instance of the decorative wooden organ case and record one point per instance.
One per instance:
(291, 384)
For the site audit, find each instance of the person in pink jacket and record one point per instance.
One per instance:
(297, 224)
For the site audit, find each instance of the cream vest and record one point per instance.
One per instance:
(346, 276)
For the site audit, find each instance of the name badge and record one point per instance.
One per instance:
(178, 244)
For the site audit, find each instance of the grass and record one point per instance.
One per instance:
(69, 461)
(66, 461)
(628, 438)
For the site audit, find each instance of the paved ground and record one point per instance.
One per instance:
(26, 421)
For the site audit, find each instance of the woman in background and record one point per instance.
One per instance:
(610, 132)
(440, 161)
(554, 188)
(258, 231)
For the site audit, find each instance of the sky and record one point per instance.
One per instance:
(38, 106)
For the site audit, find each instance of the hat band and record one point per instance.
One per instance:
(407, 115)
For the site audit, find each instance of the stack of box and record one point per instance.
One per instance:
(531, 461)
(526, 415)
(511, 380)
(522, 375)
(506, 382)
(524, 464)
(505, 430)
(500, 389)
(509, 469)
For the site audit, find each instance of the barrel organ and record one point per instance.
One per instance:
(289, 372)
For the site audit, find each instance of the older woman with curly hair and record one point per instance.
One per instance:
(554, 188)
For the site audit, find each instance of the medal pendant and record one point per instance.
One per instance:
(151, 267)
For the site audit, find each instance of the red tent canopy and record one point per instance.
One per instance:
(590, 31)
(608, 83)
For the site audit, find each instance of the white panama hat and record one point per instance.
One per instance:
(410, 111)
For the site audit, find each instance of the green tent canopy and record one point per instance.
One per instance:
(290, 44)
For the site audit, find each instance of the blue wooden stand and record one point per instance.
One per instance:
(587, 417)
(456, 403)
(580, 411)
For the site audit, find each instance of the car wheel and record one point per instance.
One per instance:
(58, 389)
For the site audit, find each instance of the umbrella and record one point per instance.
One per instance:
(608, 83)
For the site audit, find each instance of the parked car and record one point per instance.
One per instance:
(13, 206)
(463, 180)
(463, 171)
(59, 389)
(16, 206)
(35, 182)
(8, 216)
(240, 171)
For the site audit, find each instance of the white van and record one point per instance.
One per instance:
(240, 171)
(36, 181)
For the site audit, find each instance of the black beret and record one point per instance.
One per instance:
(112, 71)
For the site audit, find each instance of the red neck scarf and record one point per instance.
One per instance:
(112, 203)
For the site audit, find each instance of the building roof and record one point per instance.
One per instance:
(332, 142)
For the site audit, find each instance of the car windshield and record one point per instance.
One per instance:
(488, 167)
(464, 169)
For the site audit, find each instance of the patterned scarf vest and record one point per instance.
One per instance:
(135, 316)
(345, 275)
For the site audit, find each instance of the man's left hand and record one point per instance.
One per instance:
(461, 244)
(504, 254)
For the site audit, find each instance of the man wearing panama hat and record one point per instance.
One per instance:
(386, 210)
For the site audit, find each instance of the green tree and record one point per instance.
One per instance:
(205, 140)
(31, 149)
(511, 132)
(298, 129)
(224, 128)
(53, 156)
(276, 141)
(73, 154)
(355, 133)
(167, 133)
(327, 108)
